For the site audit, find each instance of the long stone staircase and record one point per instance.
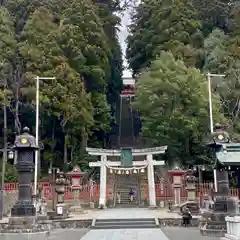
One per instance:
(123, 185)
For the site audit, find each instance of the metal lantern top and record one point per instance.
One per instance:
(220, 135)
(76, 173)
(25, 140)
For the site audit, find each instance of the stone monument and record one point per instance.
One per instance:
(23, 223)
(226, 154)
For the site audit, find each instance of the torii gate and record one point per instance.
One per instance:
(149, 163)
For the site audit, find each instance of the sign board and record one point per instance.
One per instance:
(135, 152)
(126, 157)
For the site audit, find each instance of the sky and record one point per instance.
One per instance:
(122, 38)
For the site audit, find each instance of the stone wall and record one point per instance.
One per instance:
(9, 200)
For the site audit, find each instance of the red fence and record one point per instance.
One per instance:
(164, 191)
(84, 193)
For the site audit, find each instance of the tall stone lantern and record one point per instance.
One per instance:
(25, 145)
(23, 223)
(76, 176)
(60, 183)
(191, 202)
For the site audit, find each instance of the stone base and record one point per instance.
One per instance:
(76, 209)
(152, 207)
(92, 205)
(230, 237)
(61, 209)
(175, 208)
(24, 236)
(213, 224)
(193, 207)
(23, 209)
(102, 207)
(22, 222)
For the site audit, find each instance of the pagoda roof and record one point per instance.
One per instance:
(229, 154)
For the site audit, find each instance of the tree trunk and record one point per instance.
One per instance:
(65, 158)
(16, 118)
(52, 145)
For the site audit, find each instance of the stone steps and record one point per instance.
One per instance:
(125, 223)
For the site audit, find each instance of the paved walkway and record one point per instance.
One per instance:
(167, 233)
(120, 213)
(122, 234)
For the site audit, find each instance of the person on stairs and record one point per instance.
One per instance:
(119, 197)
(131, 194)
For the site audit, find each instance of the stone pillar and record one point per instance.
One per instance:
(221, 204)
(103, 182)
(76, 197)
(151, 183)
(191, 188)
(177, 181)
(233, 228)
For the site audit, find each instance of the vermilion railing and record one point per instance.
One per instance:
(166, 192)
(163, 191)
(86, 192)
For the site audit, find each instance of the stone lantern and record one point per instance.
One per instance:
(60, 183)
(191, 202)
(76, 176)
(25, 146)
(23, 223)
(177, 181)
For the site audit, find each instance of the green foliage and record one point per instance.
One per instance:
(75, 42)
(173, 100)
(172, 95)
(164, 25)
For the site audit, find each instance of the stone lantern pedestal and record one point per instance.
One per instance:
(23, 223)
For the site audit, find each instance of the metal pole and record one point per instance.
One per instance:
(4, 151)
(37, 129)
(210, 102)
(37, 134)
(209, 75)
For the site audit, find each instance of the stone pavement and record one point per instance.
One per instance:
(115, 213)
(167, 233)
(122, 234)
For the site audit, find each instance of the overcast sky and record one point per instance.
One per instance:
(122, 37)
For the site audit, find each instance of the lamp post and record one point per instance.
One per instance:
(37, 128)
(209, 75)
(9, 154)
